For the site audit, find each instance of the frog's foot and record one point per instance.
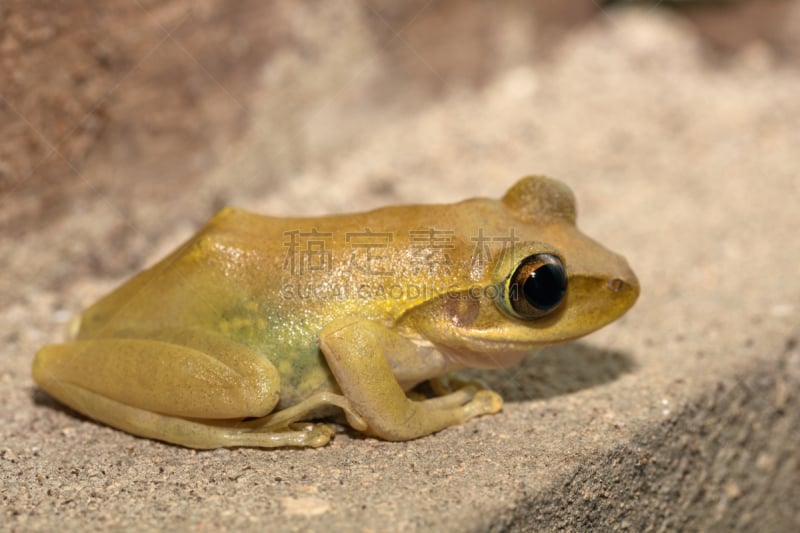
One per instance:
(292, 416)
(287, 426)
(443, 385)
(302, 435)
(470, 400)
(473, 394)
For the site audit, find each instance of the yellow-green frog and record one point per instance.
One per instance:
(257, 327)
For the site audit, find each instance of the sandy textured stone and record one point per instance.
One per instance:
(684, 414)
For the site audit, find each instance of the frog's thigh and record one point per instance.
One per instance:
(191, 433)
(356, 353)
(228, 381)
(145, 387)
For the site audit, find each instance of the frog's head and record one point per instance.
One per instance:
(551, 285)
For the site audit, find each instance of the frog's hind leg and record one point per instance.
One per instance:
(171, 392)
(199, 434)
(291, 415)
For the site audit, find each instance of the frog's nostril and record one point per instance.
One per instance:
(615, 284)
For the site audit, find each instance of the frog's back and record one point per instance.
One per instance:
(192, 287)
(240, 260)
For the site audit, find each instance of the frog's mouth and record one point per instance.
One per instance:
(478, 352)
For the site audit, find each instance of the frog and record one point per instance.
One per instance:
(267, 332)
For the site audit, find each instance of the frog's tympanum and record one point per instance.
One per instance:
(258, 327)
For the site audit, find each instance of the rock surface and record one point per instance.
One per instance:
(119, 139)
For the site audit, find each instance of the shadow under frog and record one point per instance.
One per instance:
(555, 371)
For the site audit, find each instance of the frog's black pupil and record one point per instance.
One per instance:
(545, 287)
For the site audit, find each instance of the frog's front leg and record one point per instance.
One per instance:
(185, 387)
(356, 351)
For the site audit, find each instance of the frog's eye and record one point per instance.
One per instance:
(536, 287)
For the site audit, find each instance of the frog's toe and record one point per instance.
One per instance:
(444, 385)
(302, 434)
(316, 435)
(484, 402)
